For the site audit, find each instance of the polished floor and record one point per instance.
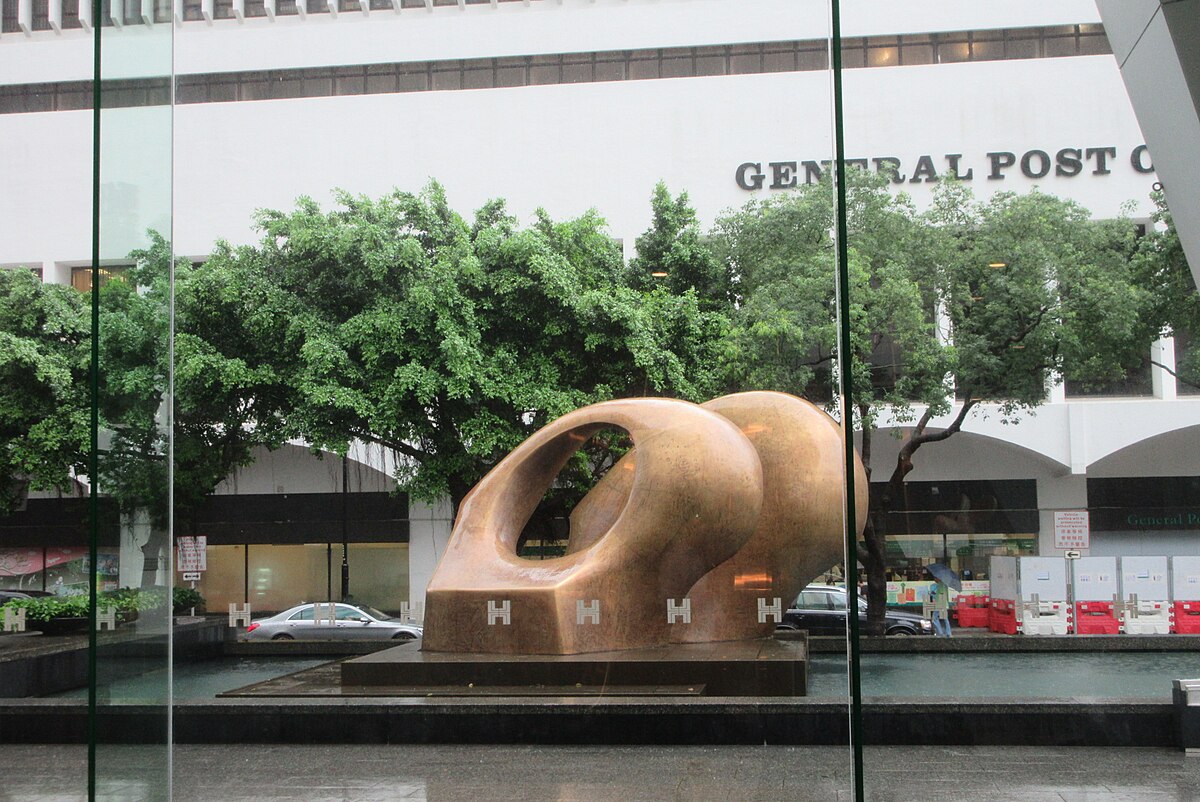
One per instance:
(440, 773)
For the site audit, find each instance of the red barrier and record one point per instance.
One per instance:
(973, 611)
(1096, 618)
(1002, 616)
(1186, 617)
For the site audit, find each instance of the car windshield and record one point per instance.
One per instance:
(377, 614)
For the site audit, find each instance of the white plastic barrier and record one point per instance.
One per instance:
(1002, 610)
(1145, 596)
(1096, 589)
(1042, 589)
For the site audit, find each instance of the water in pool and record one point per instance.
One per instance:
(1145, 675)
(203, 679)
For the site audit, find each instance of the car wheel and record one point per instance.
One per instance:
(900, 632)
(403, 636)
(282, 636)
(786, 628)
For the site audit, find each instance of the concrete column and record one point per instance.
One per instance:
(1162, 351)
(428, 533)
(56, 273)
(1058, 493)
(1058, 389)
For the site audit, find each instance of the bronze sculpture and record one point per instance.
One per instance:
(712, 523)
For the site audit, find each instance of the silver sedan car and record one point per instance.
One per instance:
(348, 622)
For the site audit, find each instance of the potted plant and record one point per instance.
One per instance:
(53, 615)
(61, 615)
(184, 600)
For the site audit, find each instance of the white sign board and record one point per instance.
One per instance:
(191, 576)
(1096, 579)
(1185, 578)
(1072, 529)
(193, 553)
(1144, 577)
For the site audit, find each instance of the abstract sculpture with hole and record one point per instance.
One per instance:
(717, 517)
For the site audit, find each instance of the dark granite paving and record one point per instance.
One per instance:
(601, 774)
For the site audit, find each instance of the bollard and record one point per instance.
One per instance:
(1186, 694)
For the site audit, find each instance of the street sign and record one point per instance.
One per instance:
(1072, 529)
(192, 553)
(191, 576)
(1073, 555)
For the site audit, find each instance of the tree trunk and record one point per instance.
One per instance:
(458, 492)
(872, 554)
(872, 559)
(894, 492)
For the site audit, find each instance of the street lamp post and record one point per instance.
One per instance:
(345, 541)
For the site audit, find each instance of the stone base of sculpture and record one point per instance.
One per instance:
(763, 667)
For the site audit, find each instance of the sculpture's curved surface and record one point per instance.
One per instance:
(693, 501)
(717, 512)
(800, 530)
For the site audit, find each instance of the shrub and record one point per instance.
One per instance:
(184, 599)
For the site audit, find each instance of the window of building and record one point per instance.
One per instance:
(1137, 381)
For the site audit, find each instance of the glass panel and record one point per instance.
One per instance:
(45, 410)
(363, 335)
(131, 564)
(1022, 307)
(380, 574)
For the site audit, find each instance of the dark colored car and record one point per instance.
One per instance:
(821, 610)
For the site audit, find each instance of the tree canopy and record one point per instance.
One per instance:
(45, 423)
(963, 303)
(396, 321)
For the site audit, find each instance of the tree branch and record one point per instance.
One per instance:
(396, 445)
(904, 465)
(1017, 338)
(1158, 364)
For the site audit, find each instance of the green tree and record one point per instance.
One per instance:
(1174, 305)
(1001, 298)
(449, 342)
(228, 397)
(45, 422)
(673, 254)
(1034, 291)
(784, 331)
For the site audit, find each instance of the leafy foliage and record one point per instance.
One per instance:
(45, 427)
(1174, 305)
(784, 330)
(184, 599)
(44, 608)
(123, 600)
(1001, 297)
(394, 321)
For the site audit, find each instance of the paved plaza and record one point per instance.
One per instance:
(444, 773)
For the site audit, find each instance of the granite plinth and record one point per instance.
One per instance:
(761, 668)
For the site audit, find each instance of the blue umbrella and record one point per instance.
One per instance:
(943, 574)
